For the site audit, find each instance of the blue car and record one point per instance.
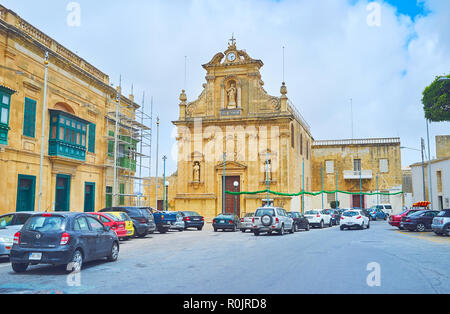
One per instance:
(376, 212)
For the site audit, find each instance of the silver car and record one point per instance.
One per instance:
(272, 219)
(247, 222)
(9, 225)
(179, 224)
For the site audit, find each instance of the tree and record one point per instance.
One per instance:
(436, 100)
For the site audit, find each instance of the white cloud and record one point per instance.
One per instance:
(332, 55)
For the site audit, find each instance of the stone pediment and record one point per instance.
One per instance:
(231, 165)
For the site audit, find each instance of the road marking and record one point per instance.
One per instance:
(429, 236)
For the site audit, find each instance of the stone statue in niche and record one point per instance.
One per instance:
(196, 172)
(268, 171)
(231, 92)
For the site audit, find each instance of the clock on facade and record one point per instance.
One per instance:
(231, 57)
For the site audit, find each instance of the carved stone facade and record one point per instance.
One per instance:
(235, 115)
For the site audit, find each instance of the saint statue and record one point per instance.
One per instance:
(197, 172)
(232, 96)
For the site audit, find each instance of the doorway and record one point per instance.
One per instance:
(358, 201)
(62, 199)
(230, 200)
(89, 197)
(26, 188)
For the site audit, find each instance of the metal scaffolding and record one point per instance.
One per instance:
(129, 147)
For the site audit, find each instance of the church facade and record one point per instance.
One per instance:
(237, 137)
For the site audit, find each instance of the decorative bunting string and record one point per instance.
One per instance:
(311, 193)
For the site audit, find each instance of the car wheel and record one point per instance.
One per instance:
(321, 224)
(215, 229)
(76, 262)
(292, 229)
(446, 230)
(199, 228)
(342, 228)
(19, 267)
(363, 225)
(420, 227)
(308, 227)
(114, 254)
(256, 233)
(368, 225)
(331, 224)
(281, 230)
(234, 229)
(243, 230)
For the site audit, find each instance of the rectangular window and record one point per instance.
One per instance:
(29, 118)
(91, 139)
(329, 166)
(4, 115)
(357, 164)
(301, 144)
(384, 165)
(5, 100)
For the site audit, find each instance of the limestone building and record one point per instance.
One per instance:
(79, 96)
(376, 163)
(263, 137)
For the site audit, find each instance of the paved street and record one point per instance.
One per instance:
(319, 261)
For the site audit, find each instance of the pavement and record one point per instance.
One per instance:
(377, 260)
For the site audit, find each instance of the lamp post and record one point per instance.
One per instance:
(41, 162)
(167, 195)
(236, 184)
(422, 150)
(164, 184)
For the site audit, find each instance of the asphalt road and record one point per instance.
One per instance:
(319, 261)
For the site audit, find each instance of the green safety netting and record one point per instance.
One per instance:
(311, 193)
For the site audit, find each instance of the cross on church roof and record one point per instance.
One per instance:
(232, 41)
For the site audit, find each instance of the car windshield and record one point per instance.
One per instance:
(350, 214)
(444, 213)
(419, 213)
(250, 215)
(225, 216)
(265, 211)
(5, 221)
(411, 213)
(113, 217)
(191, 214)
(311, 212)
(45, 223)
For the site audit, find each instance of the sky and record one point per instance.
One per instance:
(380, 55)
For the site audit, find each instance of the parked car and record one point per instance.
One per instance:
(318, 218)
(354, 218)
(272, 219)
(178, 224)
(142, 218)
(335, 216)
(376, 212)
(395, 220)
(9, 225)
(300, 222)
(441, 223)
(164, 220)
(128, 223)
(247, 222)
(68, 239)
(226, 222)
(114, 223)
(419, 221)
(193, 220)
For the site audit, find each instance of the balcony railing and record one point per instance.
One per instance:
(356, 175)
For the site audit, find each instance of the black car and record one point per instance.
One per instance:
(142, 217)
(226, 222)
(192, 220)
(419, 221)
(62, 239)
(335, 216)
(300, 222)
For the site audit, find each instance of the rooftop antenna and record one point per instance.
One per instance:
(283, 65)
(185, 71)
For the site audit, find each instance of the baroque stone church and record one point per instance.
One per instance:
(238, 137)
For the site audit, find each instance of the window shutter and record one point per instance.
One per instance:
(29, 120)
(91, 143)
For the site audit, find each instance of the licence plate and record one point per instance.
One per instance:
(35, 256)
(196, 219)
(222, 221)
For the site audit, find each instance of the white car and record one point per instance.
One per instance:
(319, 218)
(354, 219)
(272, 219)
(247, 222)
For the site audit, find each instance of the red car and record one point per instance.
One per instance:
(113, 222)
(396, 219)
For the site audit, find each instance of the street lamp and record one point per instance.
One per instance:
(422, 150)
(236, 184)
(167, 195)
(164, 184)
